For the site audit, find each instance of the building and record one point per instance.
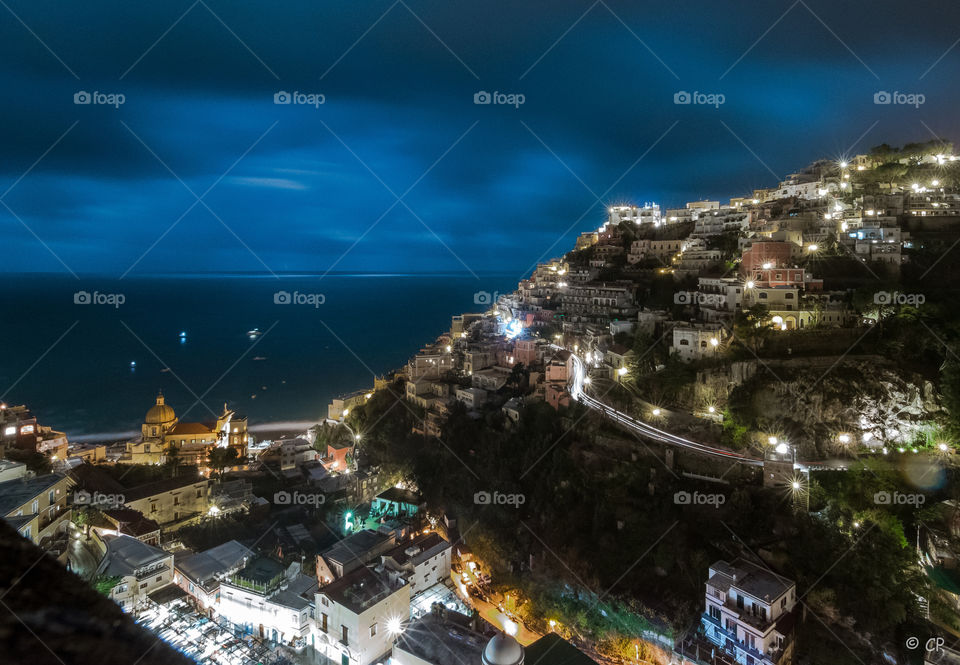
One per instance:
(445, 638)
(422, 561)
(162, 432)
(142, 569)
(472, 398)
(354, 551)
(37, 507)
(200, 574)
(10, 470)
(765, 255)
(132, 523)
(694, 341)
(396, 502)
(359, 615)
(264, 600)
(339, 407)
(750, 613)
(171, 500)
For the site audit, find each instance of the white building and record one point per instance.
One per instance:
(423, 561)
(269, 602)
(749, 613)
(359, 615)
(142, 569)
(648, 214)
(694, 341)
(472, 398)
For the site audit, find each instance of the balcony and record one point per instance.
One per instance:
(771, 657)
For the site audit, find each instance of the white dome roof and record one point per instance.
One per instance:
(503, 650)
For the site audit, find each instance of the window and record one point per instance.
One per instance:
(35, 507)
(159, 577)
(176, 500)
(153, 507)
(323, 621)
(143, 586)
(739, 601)
(684, 342)
(788, 296)
(51, 497)
(344, 634)
(715, 611)
(763, 295)
(26, 533)
(199, 492)
(373, 630)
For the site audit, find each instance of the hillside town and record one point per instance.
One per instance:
(666, 360)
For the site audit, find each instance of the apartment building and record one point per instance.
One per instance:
(171, 500)
(749, 613)
(141, 568)
(359, 615)
(269, 602)
(36, 507)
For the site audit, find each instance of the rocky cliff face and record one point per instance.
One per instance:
(811, 401)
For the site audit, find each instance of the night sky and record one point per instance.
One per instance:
(481, 187)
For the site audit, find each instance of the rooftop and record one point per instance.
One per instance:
(217, 561)
(561, 652)
(160, 486)
(361, 588)
(126, 555)
(15, 493)
(400, 495)
(440, 641)
(750, 578)
(355, 546)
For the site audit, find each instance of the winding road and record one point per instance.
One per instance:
(649, 431)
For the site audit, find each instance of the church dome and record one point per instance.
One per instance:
(160, 413)
(503, 650)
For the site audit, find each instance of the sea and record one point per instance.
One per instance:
(88, 356)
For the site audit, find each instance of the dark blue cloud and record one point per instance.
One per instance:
(305, 194)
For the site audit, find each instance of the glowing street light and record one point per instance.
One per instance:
(714, 342)
(622, 371)
(749, 284)
(586, 381)
(772, 440)
(943, 447)
(712, 409)
(656, 412)
(394, 625)
(844, 438)
(346, 412)
(812, 248)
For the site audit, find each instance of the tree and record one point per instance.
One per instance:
(219, 458)
(752, 327)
